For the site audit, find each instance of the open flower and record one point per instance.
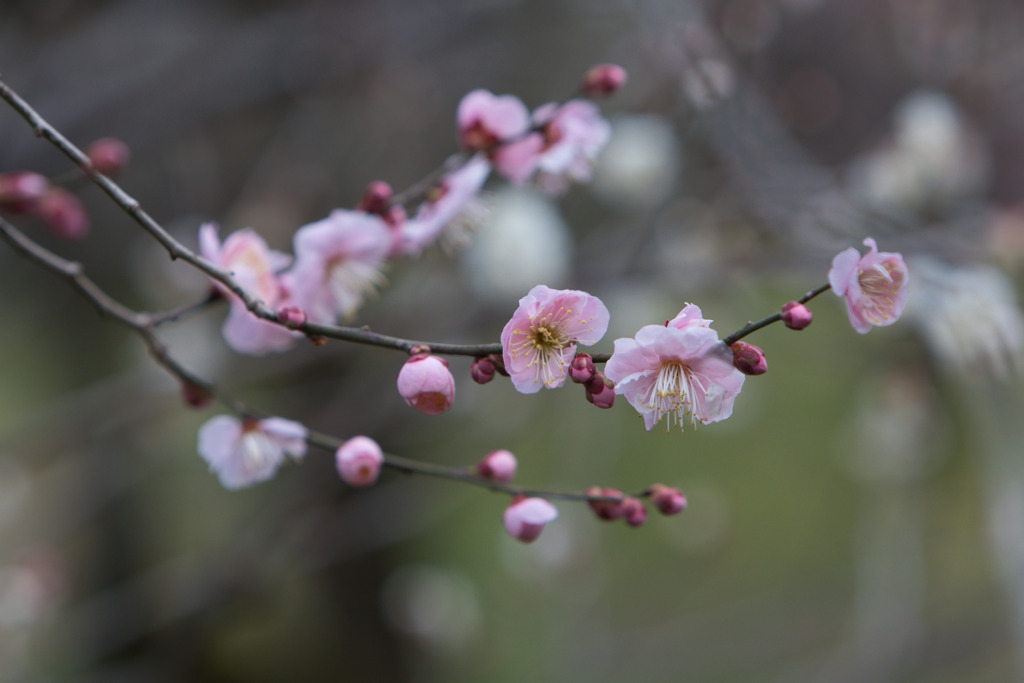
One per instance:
(525, 518)
(246, 452)
(254, 266)
(874, 285)
(677, 368)
(337, 263)
(484, 119)
(451, 199)
(539, 342)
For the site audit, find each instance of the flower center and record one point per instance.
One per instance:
(257, 451)
(350, 281)
(881, 286)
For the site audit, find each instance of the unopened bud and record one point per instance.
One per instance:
(20, 190)
(603, 80)
(108, 155)
(601, 391)
(426, 384)
(667, 499)
(525, 518)
(499, 466)
(581, 370)
(376, 198)
(748, 359)
(482, 370)
(195, 395)
(634, 511)
(292, 317)
(64, 214)
(796, 315)
(608, 510)
(359, 461)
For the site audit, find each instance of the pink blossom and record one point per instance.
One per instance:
(484, 119)
(254, 267)
(574, 135)
(498, 465)
(243, 453)
(426, 384)
(539, 342)
(359, 461)
(337, 263)
(525, 518)
(874, 285)
(444, 204)
(677, 368)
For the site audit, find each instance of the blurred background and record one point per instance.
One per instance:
(859, 518)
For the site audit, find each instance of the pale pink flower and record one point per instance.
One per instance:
(444, 204)
(539, 342)
(484, 119)
(426, 384)
(517, 160)
(498, 465)
(525, 518)
(255, 267)
(337, 263)
(677, 368)
(243, 453)
(874, 285)
(574, 135)
(359, 461)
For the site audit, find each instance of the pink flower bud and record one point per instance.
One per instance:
(525, 518)
(108, 155)
(195, 395)
(608, 510)
(64, 214)
(482, 370)
(426, 384)
(375, 198)
(291, 316)
(603, 80)
(634, 511)
(600, 391)
(499, 466)
(359, 461)
(581, 370)
(748, 359)
(20, 190)
(796, 315)
(668, 500)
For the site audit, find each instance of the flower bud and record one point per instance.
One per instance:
(748, 359)
(525, 518)
(482, 371)
(426, 384)
(796, 315)
(581, 370)
(108, 155)
(601, 391)
(20, 190)
(634, 511)
(608, 510)
(667, 499)
(195, 395)
(292, 317)
(375, 198)
(64, 214)
(359, 461)
(603, 80)
(499, 466)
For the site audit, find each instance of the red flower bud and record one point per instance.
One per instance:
(748, 359)
(796, 315)
(603, 80)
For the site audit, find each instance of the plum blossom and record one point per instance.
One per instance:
(451, 199)
(539, 342)
(426, 384)
(485, 119)
(359, 461)
(254, 267)
(677, 368)
(525, 518)
(337, 263)
(874, 285)
(245, 452)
